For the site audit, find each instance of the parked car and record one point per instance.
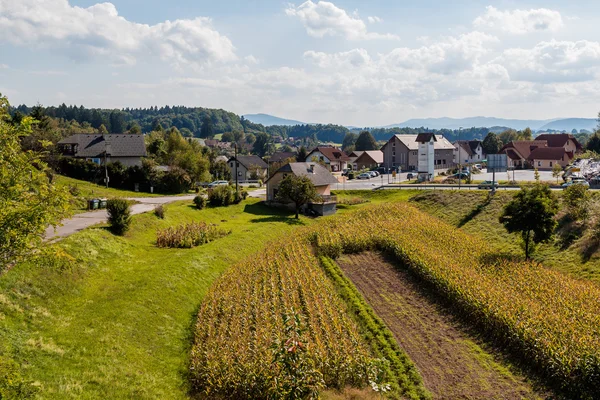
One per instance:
(488, 185)
(364, 175)
(218, 183)
(409, 176)
(576, 182)
(463, 175)
(478, 166)
(374, 174)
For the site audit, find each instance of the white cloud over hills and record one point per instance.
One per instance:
(520, 21)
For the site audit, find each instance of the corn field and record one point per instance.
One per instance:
(189, 235)
(274, 327)
(551, 320)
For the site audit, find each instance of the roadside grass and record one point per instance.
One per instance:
(372, 197)
(112, 317)
(473, 212)
(91, 190)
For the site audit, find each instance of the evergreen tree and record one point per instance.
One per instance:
(491, 144)
(365, 141)
(206, 131)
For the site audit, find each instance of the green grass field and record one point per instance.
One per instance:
(117, 322)
(91, 190)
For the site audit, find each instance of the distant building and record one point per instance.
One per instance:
(280, 156)
(366, 159)
(401, 151)
(468, 151)
(246, 166)
(426, 163)
(333, 157)
(544, 152)
(127, 149)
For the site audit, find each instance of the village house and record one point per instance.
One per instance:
(280, 156)
(247, 168)
(468, 151)
(319, 175)
(366, 159)
(401, 151)
(333, 157)
(127, 149)
(534, 153)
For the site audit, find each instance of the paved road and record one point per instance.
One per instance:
(84, 220)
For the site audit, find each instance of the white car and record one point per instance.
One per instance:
(364, 175)
(373, 174)
(218, 183)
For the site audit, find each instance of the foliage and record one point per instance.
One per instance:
(546, 318)
(221, 196)
(263, 144)
(29, 201)
(349, 141)
(175, 180)
(296, 189)
(207, 128)
(577, 200)
(593, 143)
(556, 171)
(281, 296)
(119, 216)
(365, 141)
(189, 235)
(12, 384)
(491, 144)
(200, 202)
(531, 213)
(160, 211)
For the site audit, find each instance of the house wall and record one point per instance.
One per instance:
(570, 146)
(426, 159)
(396, 154)
(444, 159)
(334, 166)
(365, 161)
(546, 165)
(465, 158)
(274, 182)
(126, 161)
(244, 173)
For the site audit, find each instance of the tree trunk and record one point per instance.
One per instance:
(297, 210)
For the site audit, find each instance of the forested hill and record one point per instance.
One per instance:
(189, 121)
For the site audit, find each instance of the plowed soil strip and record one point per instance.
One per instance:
(452, 365)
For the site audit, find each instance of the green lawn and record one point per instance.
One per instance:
(91, 190)
(471, 211)
(117, 322)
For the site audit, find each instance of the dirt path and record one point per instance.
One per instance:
(452, 365)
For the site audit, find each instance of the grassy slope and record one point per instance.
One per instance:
(119, 323)
(460, 209)
(91, 190)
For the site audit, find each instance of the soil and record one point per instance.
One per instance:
(451, 360)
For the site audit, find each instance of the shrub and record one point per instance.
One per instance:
(119, 216)
(189, 235)
(352, 201)
(200, 202)
(159, 211)
(221, 196)
(12, 384)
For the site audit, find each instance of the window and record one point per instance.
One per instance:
(443, 161)
(393, 153)
(231, 165)
(393, 158)
(539, 163)
(238, 164)
(550, 163)
(239, 173)
(393, 144)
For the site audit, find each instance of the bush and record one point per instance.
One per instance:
(159, 211)
(189, 235)
(200, 202)
(221, 196)
(119, 216)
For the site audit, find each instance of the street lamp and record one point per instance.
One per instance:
(459, 163)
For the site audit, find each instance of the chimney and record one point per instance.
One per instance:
(311, 168)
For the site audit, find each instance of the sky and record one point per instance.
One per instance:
(346, 62)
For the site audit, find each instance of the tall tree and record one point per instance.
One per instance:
(531, 213)
(365, 141)
(207, 128)
(594, 143)
(491, 144)
(263, 144)
(525, 134)
(298, 190)
(29, 201)
(302, 153)
(349, 141)
(508, 136)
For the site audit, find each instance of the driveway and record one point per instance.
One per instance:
(84, 220)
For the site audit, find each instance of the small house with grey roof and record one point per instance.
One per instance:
(126, 148)
(319, 175)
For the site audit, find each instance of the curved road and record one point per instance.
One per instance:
(84, 220)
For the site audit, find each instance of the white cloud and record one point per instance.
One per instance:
(374, 20)
(3, 66)
(352, 58)
(554, 61)
(326, 19)
(520, 21)
(99, 31)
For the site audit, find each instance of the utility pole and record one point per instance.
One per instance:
(236, 170)
(459, 163)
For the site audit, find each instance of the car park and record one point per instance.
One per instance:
(364, 175)
(576, 182)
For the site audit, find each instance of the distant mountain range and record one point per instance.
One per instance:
(268, 120)
(455, 123)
